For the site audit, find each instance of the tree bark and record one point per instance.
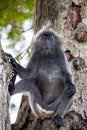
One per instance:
(68, 18)
(5, 76)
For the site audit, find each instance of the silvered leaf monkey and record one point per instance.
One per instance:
(46, 79)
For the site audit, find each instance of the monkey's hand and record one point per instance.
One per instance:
(14, 65)
(43, 113)
(70, 90)
(13, 62)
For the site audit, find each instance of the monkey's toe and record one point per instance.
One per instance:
(58, 121)
(44, 114)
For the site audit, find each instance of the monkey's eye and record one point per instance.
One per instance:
(46, 36)
(51, 38)
(41, 38)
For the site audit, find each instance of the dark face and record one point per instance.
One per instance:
(47, 39)
(47, 43)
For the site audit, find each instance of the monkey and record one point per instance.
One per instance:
(47, 79)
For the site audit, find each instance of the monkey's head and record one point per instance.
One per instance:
(46, 40)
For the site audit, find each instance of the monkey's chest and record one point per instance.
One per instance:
(51, 83)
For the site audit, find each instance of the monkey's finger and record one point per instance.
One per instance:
(11, 59)
(8, 55)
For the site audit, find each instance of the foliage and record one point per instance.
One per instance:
(14, 13)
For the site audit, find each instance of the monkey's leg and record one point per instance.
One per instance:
(62, 103)
(58, 120)
(21, 87)
(65, 102)
(68, 93)
(36, 103)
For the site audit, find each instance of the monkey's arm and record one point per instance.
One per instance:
(24, 73)
(65, 97)
(61, 103)
(27, 74)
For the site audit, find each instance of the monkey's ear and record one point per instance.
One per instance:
(68, 55)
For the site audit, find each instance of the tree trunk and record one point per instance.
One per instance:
(5, 76)
(68, 19)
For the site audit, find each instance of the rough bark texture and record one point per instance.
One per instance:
(59, 14)
(5, 76)
(26, 120)
(69, 19)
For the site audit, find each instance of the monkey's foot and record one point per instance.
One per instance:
(58, 121)
(43, 113)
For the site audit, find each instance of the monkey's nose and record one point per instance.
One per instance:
(48, 42)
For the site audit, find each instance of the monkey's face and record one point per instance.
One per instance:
(47, 42)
